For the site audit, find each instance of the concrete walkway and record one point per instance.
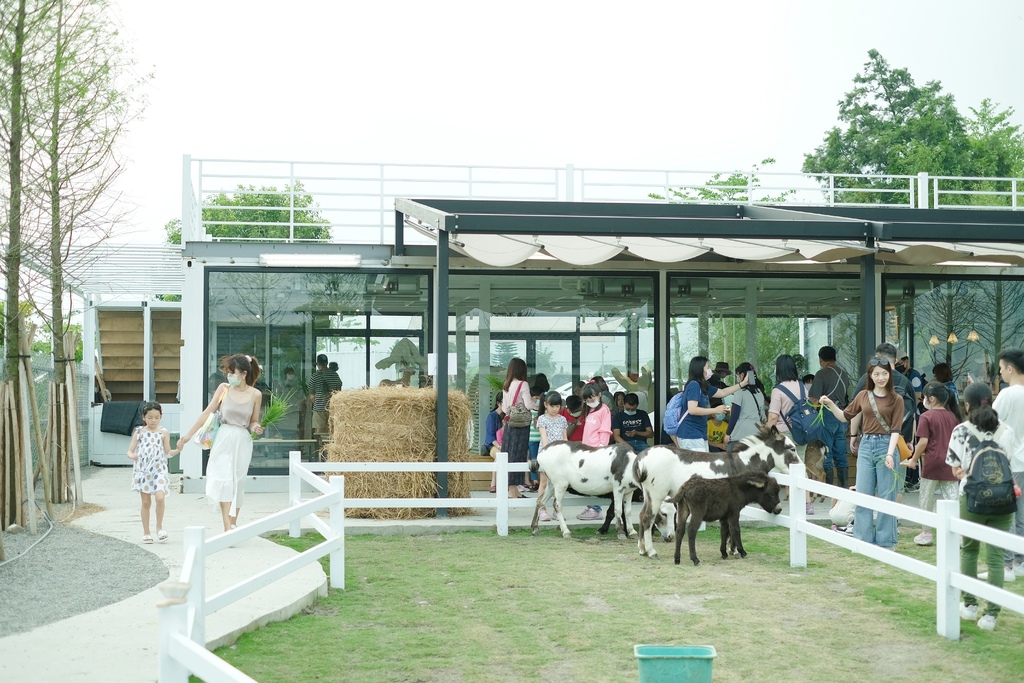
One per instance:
(118, 643)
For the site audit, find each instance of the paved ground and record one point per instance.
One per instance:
(118, 642)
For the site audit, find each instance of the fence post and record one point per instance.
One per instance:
(294, 491)
(195, 537)
(501, 491)
(922, 191)
(947, 561)
(797, 516)
(337, 522)
(173, 618)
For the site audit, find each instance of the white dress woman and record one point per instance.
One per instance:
(231, 452)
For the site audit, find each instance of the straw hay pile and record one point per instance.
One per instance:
(396, 424)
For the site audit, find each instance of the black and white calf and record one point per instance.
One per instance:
(589, 471)
(708, 500)
(662, 470)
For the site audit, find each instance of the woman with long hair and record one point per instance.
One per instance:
(982, 425)
(881, 411)
(934, 429)
(597, 432)
(780, 403)
(747, 412)
(239, 403)
(692, 433)
(516, 440)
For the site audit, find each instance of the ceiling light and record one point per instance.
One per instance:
(973, 336)
(934, 341)
(952, 338)
(311, 260)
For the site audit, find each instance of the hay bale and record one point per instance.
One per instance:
(396, 424)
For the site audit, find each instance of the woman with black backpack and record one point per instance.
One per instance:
(981, 440)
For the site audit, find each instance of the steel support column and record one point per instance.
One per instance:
(441, 354)
(870, 304)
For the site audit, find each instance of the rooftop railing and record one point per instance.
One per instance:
(292, 201)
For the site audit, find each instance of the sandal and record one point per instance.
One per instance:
(161, 535)
(147, 539)
(493, 489)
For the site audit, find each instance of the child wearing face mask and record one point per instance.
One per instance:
(934, 429)
(573, 414)
(597, 432)
(717, 427)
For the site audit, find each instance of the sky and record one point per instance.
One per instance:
(663, 85)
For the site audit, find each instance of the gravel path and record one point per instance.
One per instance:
(71, 571)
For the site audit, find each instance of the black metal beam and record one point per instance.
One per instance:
(556, 208)
(604, 226)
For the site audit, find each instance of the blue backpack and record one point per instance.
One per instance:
(673, 414)
(805, 422)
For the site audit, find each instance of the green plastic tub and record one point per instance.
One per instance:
(675, 663)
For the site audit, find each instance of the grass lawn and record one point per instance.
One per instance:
(472, 607)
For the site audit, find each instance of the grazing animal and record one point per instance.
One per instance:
(662, 470)
(814, 457)
(722, 499)
(590, 471)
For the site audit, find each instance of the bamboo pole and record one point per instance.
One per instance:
(6, 461)
(42, 465)
(15, 446)
(26, 436)
(71, 342)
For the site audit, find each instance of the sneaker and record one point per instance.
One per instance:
(590, 514)
(1008, 575)
(848, 530)
(924, 538)
(987, 623)
(810, 508)
(543, 515)
(912, 488)
(968, 612)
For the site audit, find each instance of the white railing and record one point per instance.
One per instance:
(357, 199)
(183, 614)
(945, 573)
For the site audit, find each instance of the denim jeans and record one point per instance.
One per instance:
(834, 436)
(875, 479)
(993, 556)
(639, 445)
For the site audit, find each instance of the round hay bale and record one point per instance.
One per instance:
(396, 424)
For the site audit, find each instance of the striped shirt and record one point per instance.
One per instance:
(322, 384)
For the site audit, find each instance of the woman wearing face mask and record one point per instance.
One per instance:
(692, 433)
(780, 404)
(239, 405)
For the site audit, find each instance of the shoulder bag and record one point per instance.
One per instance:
(518, 414)
(208, 432)
(901, 443)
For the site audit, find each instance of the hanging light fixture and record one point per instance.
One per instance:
(973, 336)
(934, 341)
(952, 338)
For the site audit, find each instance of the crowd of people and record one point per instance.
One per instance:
(906, 433)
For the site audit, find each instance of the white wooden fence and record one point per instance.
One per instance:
(945, 573)
(182, 644)
(182, 633)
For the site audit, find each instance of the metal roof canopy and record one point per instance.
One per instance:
(868, 224)
(749, 221)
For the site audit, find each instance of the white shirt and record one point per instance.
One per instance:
(1009, 404)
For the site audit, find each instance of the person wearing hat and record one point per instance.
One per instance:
(718, 380)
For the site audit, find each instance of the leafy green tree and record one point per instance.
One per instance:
(504, 351)
(890, 125)
(735, 188)
(264, 213)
